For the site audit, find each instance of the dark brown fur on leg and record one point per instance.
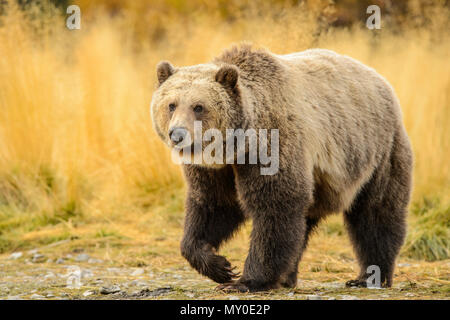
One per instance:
(278, 226)
(290, 278)
(212, 216)
(376, 221)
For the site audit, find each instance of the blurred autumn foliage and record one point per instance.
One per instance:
(153, 17)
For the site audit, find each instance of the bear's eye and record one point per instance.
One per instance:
(172, 107)
(198, 108)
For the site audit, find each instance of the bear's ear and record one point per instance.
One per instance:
(228, 76)
(164, 70)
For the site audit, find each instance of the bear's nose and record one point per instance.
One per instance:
(177, 134)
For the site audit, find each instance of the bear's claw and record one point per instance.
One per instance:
(233, 275)
(219, 269)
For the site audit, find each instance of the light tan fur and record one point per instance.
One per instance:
(341, 101)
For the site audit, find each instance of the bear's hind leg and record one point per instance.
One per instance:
(376, 220)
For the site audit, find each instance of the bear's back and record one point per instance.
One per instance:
(347, 113)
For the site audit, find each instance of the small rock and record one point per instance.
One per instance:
(88, 293)
(153, 293)
(409, 294)
(290, 294)
(233, 298)
(135, 293)
(14, 298)
(334, 285)
(82, 257)
(33, 252)
(110, 290)
(49, 275)
(95, 261)
(190, 295)
(69, 256)
(403, 265)
(138, 272)
(37, 296)
(86, 273)
(331, 298)
(60, 261)
(348, 297)
(38, 258)
(313, 297)
(160, 291)
(50, 295)
(144, 293)
(139, 283)
(15, 255)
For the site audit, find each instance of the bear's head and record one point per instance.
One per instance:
(206, 94)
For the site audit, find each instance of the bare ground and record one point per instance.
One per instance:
(110, 268)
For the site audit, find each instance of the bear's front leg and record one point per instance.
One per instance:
(212, 215)
(277, 205)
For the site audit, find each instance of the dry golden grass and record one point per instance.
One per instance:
(78, 155)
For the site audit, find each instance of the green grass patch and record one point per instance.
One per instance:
(106, 233)
(16, 222)
(429, 231)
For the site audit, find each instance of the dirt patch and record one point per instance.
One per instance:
(63, 272)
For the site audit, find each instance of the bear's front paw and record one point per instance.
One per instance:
(220, 270)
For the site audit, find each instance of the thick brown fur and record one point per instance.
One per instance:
(343, 148)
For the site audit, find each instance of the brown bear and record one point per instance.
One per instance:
(342, 148)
